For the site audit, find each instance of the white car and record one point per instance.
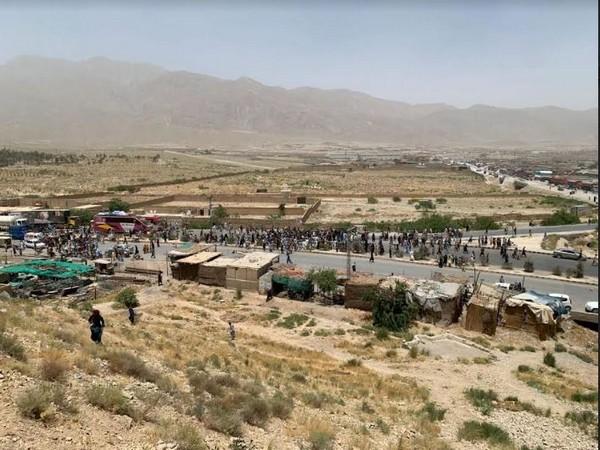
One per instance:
(591, 307)
(34, 240)
(564, 298)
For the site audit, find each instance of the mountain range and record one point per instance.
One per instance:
(100, 102)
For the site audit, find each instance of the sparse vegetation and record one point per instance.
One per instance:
(10, 346)
(43, 401)
(482, 400)
(432, 412)
(54, 365)
(111, 398)
(474, 431)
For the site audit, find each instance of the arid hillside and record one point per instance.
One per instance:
(297, 376)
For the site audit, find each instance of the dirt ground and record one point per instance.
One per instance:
(402, 179)
(96, 173)
(371, 387)
(358, 210)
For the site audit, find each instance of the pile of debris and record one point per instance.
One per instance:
(46, 278)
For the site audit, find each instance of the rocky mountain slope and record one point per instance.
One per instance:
(103, 102)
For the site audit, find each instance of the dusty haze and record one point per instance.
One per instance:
(99, 102)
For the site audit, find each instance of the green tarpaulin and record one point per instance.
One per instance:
(296, 286)
(49, 268)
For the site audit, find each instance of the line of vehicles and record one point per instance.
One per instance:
(20, 228)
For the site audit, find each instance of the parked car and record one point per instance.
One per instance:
(565, 299)
(567, 253)
(591, 307)
(34, 241)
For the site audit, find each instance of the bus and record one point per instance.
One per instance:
(119, 223)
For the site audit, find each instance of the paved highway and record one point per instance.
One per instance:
(579, 293)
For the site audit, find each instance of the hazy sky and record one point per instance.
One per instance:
(458, 52)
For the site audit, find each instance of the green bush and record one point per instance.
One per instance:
(372, 200)
(550, 360)
(524, 368)
(127, 298)
(482, 400)
(561, 217)
(585, 397)
(559, 348)
(441, 200)
(432, 412)
(396, 199)
(392, 309)
(473, 431)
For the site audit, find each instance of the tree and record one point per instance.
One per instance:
(218, 215)
(127, 298)
(116, 204)
(528, 266)
(324, 279)
(85, 216)
(393, 309)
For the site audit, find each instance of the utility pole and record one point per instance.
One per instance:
(348, 256)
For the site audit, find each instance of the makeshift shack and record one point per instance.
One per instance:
(187, 249)
(245, 272)
(188, 268)
(214, 272)
(439, 302)
(357, 288)
(293, 281)
(482, 314)
(528, 316)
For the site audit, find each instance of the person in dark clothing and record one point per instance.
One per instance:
(131, 315)
(353, 267)
(160, 278)
(270, 294)
(96, 322)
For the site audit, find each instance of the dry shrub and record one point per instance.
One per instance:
(12, 347)
(111, 398)
(87, 364)
(185, 435)
(320, 435)
(43, 401)
(54, 365)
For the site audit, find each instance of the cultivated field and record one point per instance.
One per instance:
(298, 376)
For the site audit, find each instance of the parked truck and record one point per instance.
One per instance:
(15, 226)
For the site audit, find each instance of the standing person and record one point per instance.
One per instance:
(96, 322)
(231, 331)
(288, 259)
(372, 250)
(131, 312)
(269, 294)
(160, 278)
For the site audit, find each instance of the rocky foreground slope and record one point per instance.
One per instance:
(297, 376)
